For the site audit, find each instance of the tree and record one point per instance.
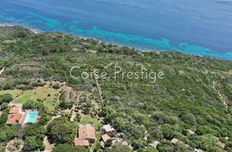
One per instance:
(169, 132)
(56, 86)
(208, 143)
(33, 135)
(119, 123)
(3, 117)
(108, 143)
(188, 118)
(68, 148)
(180, 147)
(44, 119)
(34, 130)
(33, 143)
(30, 104)
(202, 130)
(165, 147)
(7, 133)
(119, 148)
(155, 134)
(160, 118)
(60, 131)
(151, 149)
(137, 144)
(65, 105)
(4, 106)
(6, 98)
(8, 86)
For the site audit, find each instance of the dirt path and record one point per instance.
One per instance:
(2, 70)
(48, 146)
(222, 97)
(98, 85)
(55, 117)
(74, 114)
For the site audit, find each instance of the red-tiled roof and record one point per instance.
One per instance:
(13, 118)
(15, 110)
(81, 142)
(86, 132)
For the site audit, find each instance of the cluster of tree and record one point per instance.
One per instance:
(65, 105)
(61, 131)
(9, 132)
(4, 100)
(33, 136)
(31, 104)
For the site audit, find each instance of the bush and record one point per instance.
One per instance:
(108, 143)
(168, 131)
(9, 86)
(137, 144)
(44, 119)
(30, 104)
(56, 86)
(160, 118)
(188, 118)
(3, 117)
(207, 143)
(155, 134)
(165, 147)
(65, 105)
(203, 130)
(4, 106)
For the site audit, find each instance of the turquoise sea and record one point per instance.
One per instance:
(198, 27)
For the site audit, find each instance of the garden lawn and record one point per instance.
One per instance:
(87, 119)
(14, 93)
(48, 96)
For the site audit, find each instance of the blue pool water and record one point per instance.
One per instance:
(31, 117)
(199, 27)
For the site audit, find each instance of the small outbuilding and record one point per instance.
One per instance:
(109, 130)
(105, 137)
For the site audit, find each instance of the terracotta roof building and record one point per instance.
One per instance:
(14, 115)
(15, 110)
(86, 136)
(13, 118)
(79, 142)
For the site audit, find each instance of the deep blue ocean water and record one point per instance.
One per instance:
(198, 27)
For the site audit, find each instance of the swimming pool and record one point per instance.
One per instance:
(31, 117)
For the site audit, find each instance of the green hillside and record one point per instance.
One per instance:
(172, 95)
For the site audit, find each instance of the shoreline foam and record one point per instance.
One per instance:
(34, 30)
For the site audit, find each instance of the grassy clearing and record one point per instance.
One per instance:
(48, 95)
(87, 119)
(14, 93)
